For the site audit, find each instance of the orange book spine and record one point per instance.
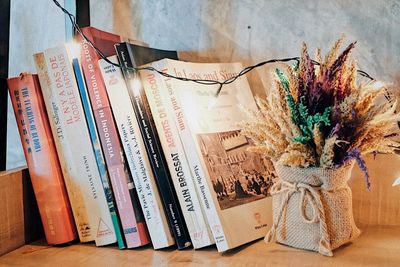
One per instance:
(41, 156)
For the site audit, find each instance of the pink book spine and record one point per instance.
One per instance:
(135, 231)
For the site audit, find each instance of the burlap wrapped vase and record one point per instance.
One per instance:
(312, 208)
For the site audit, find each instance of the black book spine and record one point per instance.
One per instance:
(154, 150)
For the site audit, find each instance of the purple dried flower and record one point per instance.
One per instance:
(306, 79)
(340, 61)
(336, 113)
(335, 130)
(356, 155)
(309, 80)
(318, 99)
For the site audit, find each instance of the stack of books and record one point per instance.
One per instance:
(127, 157)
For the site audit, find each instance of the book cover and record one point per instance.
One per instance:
(154, 88)
(133, 222)
(239, 181)
(97, 151)
(136, 154)
(130, 55)
(174, 107)
(198, 172)
(73, 145)
(41, 157)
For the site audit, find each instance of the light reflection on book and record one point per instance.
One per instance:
(212, 103)
(136, 85)
(73, 49)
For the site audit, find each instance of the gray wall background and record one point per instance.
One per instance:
(220, 31)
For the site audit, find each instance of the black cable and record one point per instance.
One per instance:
(199, 81)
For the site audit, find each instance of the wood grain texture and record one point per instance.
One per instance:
(381, 205)
(4, 45)
(12, 234)
(377, 246)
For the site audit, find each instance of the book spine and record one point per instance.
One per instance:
(97, 151)
(41, 156)
(136, 155)
(198, 173)
(128, 205)
(73, 145)
(176, 159)
(152, 145)
(72, 184)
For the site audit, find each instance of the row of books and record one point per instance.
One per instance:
(127, 157)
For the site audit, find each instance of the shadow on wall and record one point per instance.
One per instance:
(127, 20)
(216, 34)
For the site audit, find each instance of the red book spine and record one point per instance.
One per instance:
(132, 220)
(41, 156)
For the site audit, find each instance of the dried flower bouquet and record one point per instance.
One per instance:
(314, 124)
(320, 116)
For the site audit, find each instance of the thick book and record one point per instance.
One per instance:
(174, 107)
(136, 154)
(196, 222)
(132, 219)
(130, 55)
(41, 157)
(239, 181)
(97, 151)
(74, 148)
(198, 172)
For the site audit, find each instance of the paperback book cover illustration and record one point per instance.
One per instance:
(178, 165)
(74, 148)
(130, 55)
(133, 222)
(136, 155)
(41, 157)
(97, 150)
(239, 180)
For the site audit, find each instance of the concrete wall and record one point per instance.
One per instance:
(223, 30)
(34, 26)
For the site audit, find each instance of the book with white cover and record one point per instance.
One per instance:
(198, 172)
(136, 154)
(74, 147)
(239, 181)
(178, 166)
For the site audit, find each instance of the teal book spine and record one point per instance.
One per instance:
(97, 151)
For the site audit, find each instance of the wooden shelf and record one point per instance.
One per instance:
(377, 246)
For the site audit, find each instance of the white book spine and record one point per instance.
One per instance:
(196, 168)
(176, 160)
(74, 147)
(136, 154)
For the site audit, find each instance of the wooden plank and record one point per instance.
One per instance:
(19, 215)
(12, 234)
(4, 44)
(381, 205)
(377, 246)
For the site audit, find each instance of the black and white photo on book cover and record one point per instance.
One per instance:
(237, 175)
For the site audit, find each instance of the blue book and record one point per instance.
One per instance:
(97, 150)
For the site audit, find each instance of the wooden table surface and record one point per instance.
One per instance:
(377, 246)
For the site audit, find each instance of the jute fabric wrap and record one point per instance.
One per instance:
(312, 208)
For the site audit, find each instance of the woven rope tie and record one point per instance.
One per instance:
(310, 195)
